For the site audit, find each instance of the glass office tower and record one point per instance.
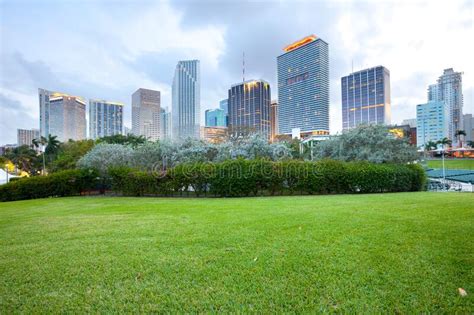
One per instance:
(105, 118)
(215, 118)
(146, 113)
(303, 88)
(62, 115)
(431, 122)
(366, 97)
(249, 108)
(224, 105)
(186, 100)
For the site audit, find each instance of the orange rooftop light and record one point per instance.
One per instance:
(301, 42)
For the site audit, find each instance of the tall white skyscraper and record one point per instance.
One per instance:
(146, 113)
(105, 118)
(449, 91)
(62, 115)
(186, 100)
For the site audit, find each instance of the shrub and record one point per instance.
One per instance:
(60, 184)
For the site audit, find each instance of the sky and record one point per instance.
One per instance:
(109, 49)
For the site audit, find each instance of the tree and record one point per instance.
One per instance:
(129, 139)
(444, 142)
(430, 145)
(458, 135)
(470, 143)
(373, 143)
(69, 153)
(24, 158)
(105, 155)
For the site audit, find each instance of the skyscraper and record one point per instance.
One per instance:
(165, 124)
(215, 118)
(431, 122)
(273, 120)
(249, 107)
(224, 105)
(26, 136)
(366, 97)
(62, 115)
(105, 118)
(146, 113)
(303, 88)
(449, 90)
(186, 98)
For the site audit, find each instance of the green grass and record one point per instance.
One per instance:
(405, 253)
(464, 164)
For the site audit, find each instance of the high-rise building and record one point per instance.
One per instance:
(186, 100)
(224, 105)
(303, 88)
(62, 115)
(126, 130)
(249, 108)
(165, 124)
(215, 118)
(105, 118)
(26, 136)
(146, 113)
(273, 120)
(433, 93)
(468, 122)
(432, 120)
(366, 97)
(449, 90)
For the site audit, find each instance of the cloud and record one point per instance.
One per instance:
(109, 49)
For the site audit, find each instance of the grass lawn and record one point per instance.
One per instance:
(405, 252)
(465, 164)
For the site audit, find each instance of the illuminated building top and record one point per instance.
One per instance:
(299, 43)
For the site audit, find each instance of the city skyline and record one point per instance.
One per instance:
(122, 58)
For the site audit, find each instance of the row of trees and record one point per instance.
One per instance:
(373, 143)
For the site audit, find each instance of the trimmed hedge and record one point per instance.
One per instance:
(239, 178)
(232, 178)
(60, 184)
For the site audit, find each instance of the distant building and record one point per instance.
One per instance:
(224, 105)
(126, 130)
(431, 122)
(468, 122)
(273, 120)
(404, 131)
(303, 88)
(186, 100)
(215, 118)
(449, 90)
(249, 108)
(105, 118)
(366, 97)
(165, 124)
(411, 122)
(26, 136)
(214, 134)
(146, 113)
(62, 115)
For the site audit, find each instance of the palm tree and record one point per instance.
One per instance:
(445, 141)
(458, 135)
(23, 157)
(49, 146)
(430, 145)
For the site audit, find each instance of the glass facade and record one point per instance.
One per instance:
(249, 108)
(62, 115)
(186, 100)
(105, 118)
(366, 97)
(215, 118)
(224, 105)
(431, 122)
(146, 113)
(303, 87)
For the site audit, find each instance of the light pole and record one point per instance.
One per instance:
(444, 171)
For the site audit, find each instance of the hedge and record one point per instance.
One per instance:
(232, 178)
(60, 184)
(238, 178)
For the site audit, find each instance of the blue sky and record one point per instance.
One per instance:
(108, 49)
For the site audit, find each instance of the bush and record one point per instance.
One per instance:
(60, 184)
